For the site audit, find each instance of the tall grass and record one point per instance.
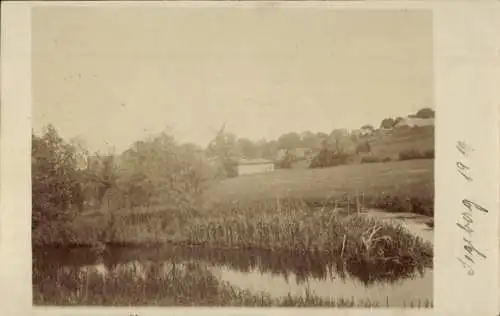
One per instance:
(287, 225)
(293, 226)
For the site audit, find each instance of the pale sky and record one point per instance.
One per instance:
(115, 75)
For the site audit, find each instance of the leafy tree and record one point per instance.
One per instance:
(247, 148)
(363, 147)
(322, 139)
(270, 149)
(337, 136)
(289, 141)
(368, 126)
(159, 171)
(55, 187)
(387, 123)
(308, 140)
(425, 113)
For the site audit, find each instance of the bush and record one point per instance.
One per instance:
(410, 154)
(327, 158)
(370, 159)
(286, 162)
(386, 159)
(416, 154)
(429, 154)
(397, 204)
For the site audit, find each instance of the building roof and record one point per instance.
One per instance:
(258, 161)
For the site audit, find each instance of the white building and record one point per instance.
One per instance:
(414, 122)
(251, 166)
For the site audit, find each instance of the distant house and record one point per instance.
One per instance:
(415, 122)
(251, 166)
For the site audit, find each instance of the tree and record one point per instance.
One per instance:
(387, 123)
(289, 141)
(159, 171)
(337, 136)
(397, 120)
(363, 147)
(368, 126)
(247, 148)
(270, 149)
(308, 140)
(425, 113)
(54, 187)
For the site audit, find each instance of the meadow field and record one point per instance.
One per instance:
(398, 140)
(392, 186)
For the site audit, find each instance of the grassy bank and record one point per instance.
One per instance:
(288, 226)
(398, 186)
(165, 285)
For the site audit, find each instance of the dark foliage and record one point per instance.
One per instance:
(328, 158)
(416, 154)
(55, 189)
(370, 159)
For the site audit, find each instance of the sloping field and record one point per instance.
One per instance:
(390, 145)
(402, 179)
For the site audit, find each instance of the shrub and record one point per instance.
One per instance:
(370, 159)
(327, 158)
(286, 162)
(416, 154)
(410, 154)
(429, 154)
(391, 203)
(386, 159)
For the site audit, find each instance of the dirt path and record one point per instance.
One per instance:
(415, 223)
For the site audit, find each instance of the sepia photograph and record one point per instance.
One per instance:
(258, 156)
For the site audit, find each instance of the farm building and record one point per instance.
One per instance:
(250, 166)
(415, 122)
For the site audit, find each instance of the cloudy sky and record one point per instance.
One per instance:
(115, 75)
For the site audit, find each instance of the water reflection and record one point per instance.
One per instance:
(284, 264)
(277, 273)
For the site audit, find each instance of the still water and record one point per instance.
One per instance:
(278, 274)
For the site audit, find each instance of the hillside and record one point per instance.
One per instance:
(413, 178)
(389, 145)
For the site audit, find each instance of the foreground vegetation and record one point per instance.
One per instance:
(356, 241)
(243, 214)
(160, 192)
(166, 285)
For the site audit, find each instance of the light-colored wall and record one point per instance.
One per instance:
(258, 168)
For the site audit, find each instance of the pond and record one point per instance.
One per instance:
(278, 274)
